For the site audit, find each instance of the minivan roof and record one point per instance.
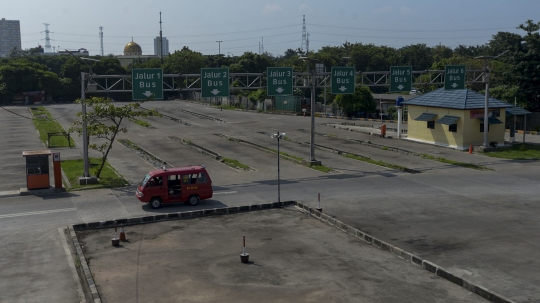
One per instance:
(181, 169)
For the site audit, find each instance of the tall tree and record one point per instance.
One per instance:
(360, 101)
(184, 61)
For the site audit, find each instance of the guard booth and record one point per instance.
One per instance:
(37, 169)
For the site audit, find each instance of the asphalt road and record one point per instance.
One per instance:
(481, 225)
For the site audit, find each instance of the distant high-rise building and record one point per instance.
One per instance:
(10, 36)
(157, 47)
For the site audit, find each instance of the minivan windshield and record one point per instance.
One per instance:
(146, 178)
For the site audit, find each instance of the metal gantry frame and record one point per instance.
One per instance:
(253, 81)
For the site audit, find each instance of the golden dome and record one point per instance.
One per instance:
(132, 49)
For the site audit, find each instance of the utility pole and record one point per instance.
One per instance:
(160, 39)
(486, 103)
(312, 160)
(219, 51)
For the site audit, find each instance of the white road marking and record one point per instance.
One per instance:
(224, 192)
(42, 212)
(71, 265)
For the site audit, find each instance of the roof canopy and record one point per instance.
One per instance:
(426, 117)
(448, 120)
(455, 99)
(517, 111)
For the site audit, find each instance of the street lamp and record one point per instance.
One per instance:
(486, 103)
(86, 173)
(312, 160)
(278, 136)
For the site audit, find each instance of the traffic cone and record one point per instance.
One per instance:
(470, 149)
(122, 235)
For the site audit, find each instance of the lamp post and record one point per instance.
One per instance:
(312, 160)
(86, 173)
(486, 103)
(278, 136)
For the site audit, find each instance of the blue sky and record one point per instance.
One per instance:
(243, 24)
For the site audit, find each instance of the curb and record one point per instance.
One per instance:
(427, 265)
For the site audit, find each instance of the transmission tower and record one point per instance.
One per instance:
(101, 38)
(47, 39)
(304, 35)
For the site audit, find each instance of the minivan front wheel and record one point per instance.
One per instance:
(156, 203)
(193, 200)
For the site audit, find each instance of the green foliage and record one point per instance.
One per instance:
(360, 101)
(21, 75)
(104, 122)
(517, 152)
(258, 95)
(184, 61)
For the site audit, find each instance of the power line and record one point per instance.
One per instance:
(413, 30)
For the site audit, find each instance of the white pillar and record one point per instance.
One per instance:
(399, 118)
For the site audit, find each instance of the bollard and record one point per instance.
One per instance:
(244, 257)
(115, 241)
(383, 130)
(319, 198)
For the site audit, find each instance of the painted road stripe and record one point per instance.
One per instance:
(224, 192)
(43, 212)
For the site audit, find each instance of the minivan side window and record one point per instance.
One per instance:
(201, 178)
(174, 180)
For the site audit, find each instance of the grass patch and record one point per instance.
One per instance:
(517, 152)
(321, 168)
(73, 169)
(45, 124)
(384, 148)
(447, 161)
(235, 164)
(141, 122)
(380, 163)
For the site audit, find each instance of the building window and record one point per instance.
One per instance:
(431, 124)
(452, 128)
(482, 127)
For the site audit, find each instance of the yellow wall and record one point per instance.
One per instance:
(468, 130)
(474, 137)
(418, 130)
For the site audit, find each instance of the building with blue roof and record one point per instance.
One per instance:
(454, 118)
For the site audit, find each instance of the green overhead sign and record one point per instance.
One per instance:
(343, 80)
(147, 82)
(454, 77)
(400, 78)
(214, 82)
(279, 81)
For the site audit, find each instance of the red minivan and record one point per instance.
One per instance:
(179, 184)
